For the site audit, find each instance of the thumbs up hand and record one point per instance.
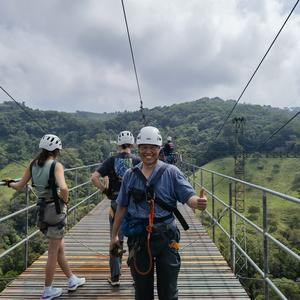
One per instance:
(198, 202)
(201, 201)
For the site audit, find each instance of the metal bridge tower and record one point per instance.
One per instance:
(239, 260)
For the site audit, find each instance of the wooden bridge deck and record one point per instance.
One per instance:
(204, 273)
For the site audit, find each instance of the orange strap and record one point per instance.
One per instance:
(149, 228)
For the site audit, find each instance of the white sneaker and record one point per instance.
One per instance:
(51, 293)
(75, 282)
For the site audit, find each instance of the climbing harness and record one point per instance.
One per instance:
(46, 218)
(139, 195)
(137, 228)
(149, 229)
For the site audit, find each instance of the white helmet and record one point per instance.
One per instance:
(125, 137)
(169, 139)
(149, 135)
(50, 142)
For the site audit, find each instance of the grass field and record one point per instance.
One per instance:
(272, 173)
(13, 171)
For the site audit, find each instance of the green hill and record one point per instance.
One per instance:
(281, 175)
(87, 138)
(193, 126)
(95, 116)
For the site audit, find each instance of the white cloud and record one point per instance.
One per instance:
(74, 55)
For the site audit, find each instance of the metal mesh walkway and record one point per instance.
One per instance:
(204, 273)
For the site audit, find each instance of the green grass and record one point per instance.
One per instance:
(272, 173)
(14, 171)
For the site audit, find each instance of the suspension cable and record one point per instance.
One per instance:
(86, 246)
(31, 117)
(213, 223)
(26, 111)
(9, 158)
(257, 68)
(134, 66)
(276, 131)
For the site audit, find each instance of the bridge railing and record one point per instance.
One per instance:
(81, 192)
(202, 178)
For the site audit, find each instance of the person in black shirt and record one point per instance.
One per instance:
(114, 167)
(168, 151)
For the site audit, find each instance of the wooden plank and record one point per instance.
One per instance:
(204, 273)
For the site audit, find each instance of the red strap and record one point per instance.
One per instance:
(149, 228)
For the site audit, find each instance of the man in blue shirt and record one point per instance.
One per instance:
(148, 197)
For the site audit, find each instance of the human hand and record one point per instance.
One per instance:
(8, 181)
(201, 201)
(116, 248)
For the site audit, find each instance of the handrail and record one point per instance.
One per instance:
(81, 167)
(275, 193)
(27, 208)
(31, 207)
(233, 212)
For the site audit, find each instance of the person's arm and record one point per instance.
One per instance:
(23, 181)
(120, 213)
(61, 182)
(95, 178)
(197, 202)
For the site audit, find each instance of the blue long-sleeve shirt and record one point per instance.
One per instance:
(172, 187)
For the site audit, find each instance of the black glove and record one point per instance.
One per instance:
(8, 181)
(117, 251)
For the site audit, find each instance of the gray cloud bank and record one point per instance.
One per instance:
(74, 55)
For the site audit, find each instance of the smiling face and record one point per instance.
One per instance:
(149, 154)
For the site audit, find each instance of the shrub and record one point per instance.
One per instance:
(253, 210)
(296, 183)
(252, 217)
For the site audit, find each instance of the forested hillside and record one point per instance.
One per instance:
(89, 137)
(193, 125)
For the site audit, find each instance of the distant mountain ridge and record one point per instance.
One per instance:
(96, 116)
(193, 126)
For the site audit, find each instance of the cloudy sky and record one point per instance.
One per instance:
(70, 55)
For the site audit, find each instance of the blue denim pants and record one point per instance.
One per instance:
(115, 262)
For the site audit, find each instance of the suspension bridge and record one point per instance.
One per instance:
(205, 274)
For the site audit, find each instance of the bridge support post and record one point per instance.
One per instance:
(266, 245)
(89, 190)
(201, 178)
(75, 197)
(26, 229)
(194, 177)
(213, 205)
(230, 228)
